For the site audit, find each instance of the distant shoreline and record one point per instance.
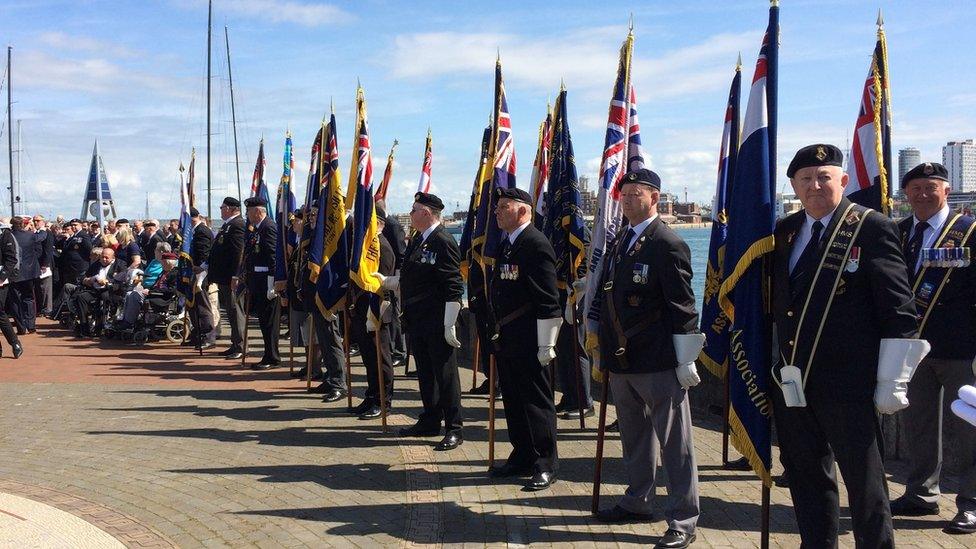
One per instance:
(702, 225)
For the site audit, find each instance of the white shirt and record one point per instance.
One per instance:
(638, 230)
(936, 223)
(803, 237)
(427, 232)
(515, 234)
(102, 274)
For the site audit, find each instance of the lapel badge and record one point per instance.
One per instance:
(853, 259)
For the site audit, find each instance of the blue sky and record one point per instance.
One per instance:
(132, 75)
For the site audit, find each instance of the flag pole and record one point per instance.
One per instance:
(379, 370)
(475, 360)
(491, 410)
(247, 314)
(310, 351)
(575, 338)
(345, 345)
(601, 433)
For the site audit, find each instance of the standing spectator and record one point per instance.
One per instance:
(204, 330)
(8, 270)
(21, 299)
(224, 262)
(173, 233)
(150, 238)
(76, 253)
(44, 285)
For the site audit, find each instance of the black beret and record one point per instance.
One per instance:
(232, 202)
(74, 220)
(120, 220)
(928, 170)
(429, 200)
(194, 212)
(642, 176)
(297, 214)
(819, 154)
(380, 213)
(513, 193)
(255, 201)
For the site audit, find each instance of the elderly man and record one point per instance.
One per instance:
(76, 254)
(150, 238)
(649, 344)
(938, 247)
(44, 284)
(97, 278)
(844, 316)
(22, 303)
(525, 312)
(224, 262)
(257, 273)
(431, 287)
(204, 332)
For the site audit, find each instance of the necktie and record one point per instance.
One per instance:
(809, 255)
(626, 240)
(915, 246)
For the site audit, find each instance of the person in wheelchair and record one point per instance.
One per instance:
(97, 281)
(159, 289)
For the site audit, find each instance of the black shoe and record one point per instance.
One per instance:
(907, 506)
(265, 365)
(229, 351)
(480, 389)
(509, 470)
(418, 430)
(613, 427)
(575, 413)
(21, 331)
(372, 412)
(18, 349)
(540, 481)
(674, 539)
(320, 389)
(963, 523)
(398, 361)
(207, 345)
(236, 355)
(361, 407)
(300, 373)
(619, 515)
(450, 441)
(561, 407)
(741, 464)
(333, 395)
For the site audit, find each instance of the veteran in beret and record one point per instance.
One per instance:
(431, 288)
(224, 263)
(525, 319)
(938, 246)
(847, 346)
(649, 341)
(257, 274)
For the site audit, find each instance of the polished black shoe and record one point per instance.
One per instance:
(561, 407)
(619, 515)
(320, 389)
(398, 361)
(907, 506)
(613, 427)
(373, 412)
(299, 373)
(207, 345)
(265, 365)
(480, 389)
(963, 523)
(418, 430)
(449, 442)
(509, 470)
(674, 539)
(361, 407)
(575, 413)
(236, 355)
(229, 351)
(540, 481)
(333, 395)
(17, 349)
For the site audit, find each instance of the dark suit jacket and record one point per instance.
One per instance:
(661, 298)
(9, 257)
(951, 327)
(47, 249)
(259, 256)
(149, 245)
(225, 254)
(872, 303)
(535, 286)
(397, 239)
(75, 257)
(30, 247)
(201, 244)
(429, 278)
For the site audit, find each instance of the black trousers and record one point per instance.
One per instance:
(399, 342)
(572, 385)
(22, 304)
(440, 385)
(529, 412)
(810, 439)
(267, 312)
(86, 299)
(481, 322)
(331, 359)
(233, 305)
(5, 327)
(367, 350)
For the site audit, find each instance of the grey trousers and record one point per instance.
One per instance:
(655, 419)
(329, 344)
(933, 388)
(233, 306)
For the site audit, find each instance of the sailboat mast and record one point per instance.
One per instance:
(10, 137)
(233, 115)
(209, 33)
(20, 172)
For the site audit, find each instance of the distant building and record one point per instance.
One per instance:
(959, 158)
(787, 204)
(908, 158)
(587, 197)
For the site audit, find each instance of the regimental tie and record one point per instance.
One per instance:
(914, 247)
(622, 250)
(809, 256)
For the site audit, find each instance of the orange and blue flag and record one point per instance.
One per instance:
(284, 207)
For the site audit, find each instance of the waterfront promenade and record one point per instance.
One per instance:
(107, 445)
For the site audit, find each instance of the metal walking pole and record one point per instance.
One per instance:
(600, 435)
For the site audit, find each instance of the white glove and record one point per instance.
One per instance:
(370, 323)
(897, 361)
(451, 311)
(271, 291)
(568, 310)
(579, 285)
(391, 282)
(547, 330)
(687, 347)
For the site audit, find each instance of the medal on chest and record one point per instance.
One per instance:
(853, 259)
(640, 273)
(428, 257)
(509, 271)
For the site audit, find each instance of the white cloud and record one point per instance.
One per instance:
(307, 14)
(60, 40)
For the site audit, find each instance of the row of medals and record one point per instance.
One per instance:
(945, 257)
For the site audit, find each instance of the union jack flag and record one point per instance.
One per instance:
(424, 185)
(540, 171)
(622, 152)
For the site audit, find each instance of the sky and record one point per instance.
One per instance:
(132, 74)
